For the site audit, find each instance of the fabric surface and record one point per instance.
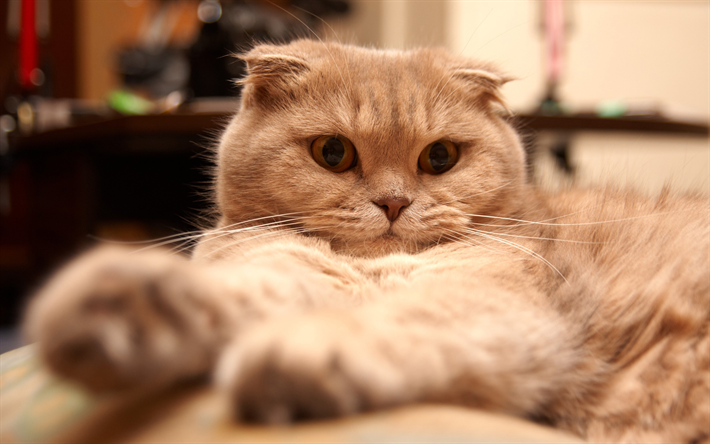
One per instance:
(36, 407)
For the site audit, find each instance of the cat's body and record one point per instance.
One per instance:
(325, 293)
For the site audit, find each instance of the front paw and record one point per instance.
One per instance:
(310, 367)
(113, 320)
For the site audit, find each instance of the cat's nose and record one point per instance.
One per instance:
(392, 206)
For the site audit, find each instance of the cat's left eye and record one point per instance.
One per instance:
(438, 157)
(334, 153)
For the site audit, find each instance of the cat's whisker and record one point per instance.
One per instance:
(187, 235)
(291, 219)
(194, 234)
(147, 241)
(183, 239)
(562, 216)
(271, 231)
(479, 193)
(521, 248)
(456, 238)
(250, 238)
(535, 237)
(267, 226)
(528, 222)
(472, 242)
(523, 222)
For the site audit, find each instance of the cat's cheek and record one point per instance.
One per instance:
(311, 367)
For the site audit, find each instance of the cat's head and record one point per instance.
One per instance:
(376, 151)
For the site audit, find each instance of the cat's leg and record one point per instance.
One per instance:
(470, 343)
(114, 320)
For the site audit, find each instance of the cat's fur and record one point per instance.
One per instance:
(588, 310)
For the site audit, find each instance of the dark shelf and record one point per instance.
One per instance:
(574, 123)
(206, 125)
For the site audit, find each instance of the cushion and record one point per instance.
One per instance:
(38, 407)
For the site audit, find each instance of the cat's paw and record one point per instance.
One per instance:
(113, 320)
(310, 367)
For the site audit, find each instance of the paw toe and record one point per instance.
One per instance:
(306, 369)
(268, 394)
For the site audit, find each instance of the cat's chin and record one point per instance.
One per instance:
(383, 245)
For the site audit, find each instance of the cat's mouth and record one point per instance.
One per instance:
(390, 234)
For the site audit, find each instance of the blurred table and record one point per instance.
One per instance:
(564, 126)
(126, 178)
(131, 132)
(589, 122)
(177, 125)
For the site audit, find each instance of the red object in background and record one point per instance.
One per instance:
(28, 44)
(554, 36)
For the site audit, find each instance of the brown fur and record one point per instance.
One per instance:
(587, 309)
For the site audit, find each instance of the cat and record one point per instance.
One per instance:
(378, 243)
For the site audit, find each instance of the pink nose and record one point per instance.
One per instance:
(392, 206)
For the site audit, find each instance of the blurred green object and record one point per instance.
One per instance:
(550, 107)
(125, 102)
(611, 108)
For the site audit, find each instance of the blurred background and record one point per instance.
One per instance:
(107, 107)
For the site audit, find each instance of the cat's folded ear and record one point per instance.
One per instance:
(271, 75)
(484, 85)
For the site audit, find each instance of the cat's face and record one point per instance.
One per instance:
(390, 106)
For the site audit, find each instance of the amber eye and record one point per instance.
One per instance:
(334, 153)
(438, 157)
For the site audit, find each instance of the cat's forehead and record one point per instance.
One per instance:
(375, 65)
(386, 96)
(369, 64)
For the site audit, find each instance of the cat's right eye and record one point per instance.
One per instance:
(334, 153)
(438, 157)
